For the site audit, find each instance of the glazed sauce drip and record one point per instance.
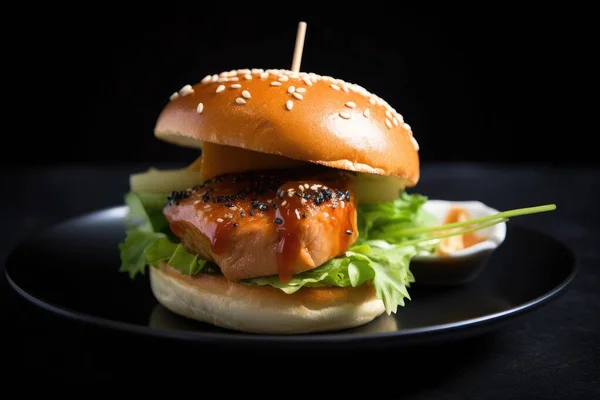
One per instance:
(285, 198)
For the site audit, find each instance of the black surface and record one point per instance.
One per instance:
(84, 250)
(552, 352)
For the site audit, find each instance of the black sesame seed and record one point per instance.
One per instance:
(235, 225)
(347, 195)
(242, 214)
(278, 221)
(228, 205)
(251, 213)
(274, 206)
(348, 232)
(303, 215)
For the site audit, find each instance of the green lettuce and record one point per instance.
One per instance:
(144, 224)
(384, 266)
(387, 221)
(163, 250)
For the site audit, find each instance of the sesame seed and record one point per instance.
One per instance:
(275, 83)
(308, 82)
(200, 108)
(239, 100)
(350, 104)
(283, 79)
(314, 187)
(345, 88)
(345, 115)
(235, 224)
(348, 232)
(342, 204)
(207, 206)
(174, 96)
(334, 86)
(306, 186)
(224, 74)
(223, 80)
(415, 143)
(283, 203)
(303, 201)
(256, 70)
(372, 100)
(407, 127)
(219, 219)
(301, 90)
(236, 86)
(289, 105)
(388, 114)
(301, 187)
(395, 121)
(297, 95)
(248, 76)
(264, 75)
(388, 123)
(215, 78)
(326, 214)
(278, 221)
(196, 202)
(220, 88)
(297, 213)
(290, 194)
(206, 79)
(243, 71)
(187, 89)
(367, 112)
(291, 89)
(229, 215)
(246, 94)
(233, 208)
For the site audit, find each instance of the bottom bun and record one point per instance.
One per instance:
(263, 309)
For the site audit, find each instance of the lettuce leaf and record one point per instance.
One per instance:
(379, 263)
(132, 251)
(162, 250)
(381, 221)
(144, 224)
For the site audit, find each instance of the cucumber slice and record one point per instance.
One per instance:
(373, 189)
(164, 181)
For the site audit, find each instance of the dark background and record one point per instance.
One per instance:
(476, 84)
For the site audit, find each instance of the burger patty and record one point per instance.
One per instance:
(268, 222)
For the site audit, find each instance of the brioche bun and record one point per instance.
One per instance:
(263, 309)
(303, 116)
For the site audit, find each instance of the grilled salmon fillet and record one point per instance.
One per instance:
(268, 222)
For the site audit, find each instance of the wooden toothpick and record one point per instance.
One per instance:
(299, 46)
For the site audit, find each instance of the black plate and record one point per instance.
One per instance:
(72, 270)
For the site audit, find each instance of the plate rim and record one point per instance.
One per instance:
(274, 339)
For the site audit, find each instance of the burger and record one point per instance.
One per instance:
(294, 218)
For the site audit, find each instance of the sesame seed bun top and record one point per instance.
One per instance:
(303, 116)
